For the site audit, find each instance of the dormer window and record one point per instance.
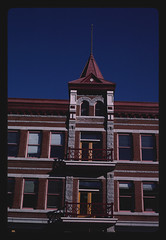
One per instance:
(85, 108)
(99, 109)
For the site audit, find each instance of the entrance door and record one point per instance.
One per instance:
(85, 199)
(89, 198)
(90, 204)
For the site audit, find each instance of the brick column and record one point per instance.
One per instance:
(41, 193)
(110, 187)
(104, 190)
(45, 144)
(116, 195)
(18, 192)
(91, 110)
(75, 190)
(138, 196)
(69, 189)
(23, 142)
(136, 147)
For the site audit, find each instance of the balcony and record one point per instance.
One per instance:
(81, 154)
(88, 210)
(84, 217)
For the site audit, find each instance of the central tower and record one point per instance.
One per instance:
(90, 143)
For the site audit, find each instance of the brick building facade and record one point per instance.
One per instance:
(88, 163)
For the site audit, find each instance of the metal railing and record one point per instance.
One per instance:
(73, 209)
(81, 154)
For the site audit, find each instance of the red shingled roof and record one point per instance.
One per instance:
(91, 67)
(91, 77)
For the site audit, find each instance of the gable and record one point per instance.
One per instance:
(91, 79)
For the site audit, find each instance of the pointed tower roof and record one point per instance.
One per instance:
(91, 77)
(91, 67)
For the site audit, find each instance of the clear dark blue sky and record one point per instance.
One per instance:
(48, 47)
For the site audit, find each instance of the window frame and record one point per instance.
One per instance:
(125, 147)
(34, 194)
(39, 145)
(60, 194)
(153, 148)
(61, 145)
(131, 196)
(14, 144)
(152, 196)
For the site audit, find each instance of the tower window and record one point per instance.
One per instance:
(85, 108)
(99, 109)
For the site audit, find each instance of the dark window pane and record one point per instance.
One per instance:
(90, 185)
(90, 135)
(12, 150)
(125, 154)
(13, 137)
(125, 203)
(85, 108)
(147, 141)
(125, 141)
(99, 109)
(150, 204)
(54, 186)
(57, 151)
(148, 154)
(54, 201)
(30, 201)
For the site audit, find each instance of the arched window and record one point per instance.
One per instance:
(85, 108)
(99, 109)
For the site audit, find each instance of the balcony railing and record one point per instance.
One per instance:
(89, 210)
(80, 154)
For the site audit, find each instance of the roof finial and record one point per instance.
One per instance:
(91, 50)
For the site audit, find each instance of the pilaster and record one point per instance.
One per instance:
(69, 189)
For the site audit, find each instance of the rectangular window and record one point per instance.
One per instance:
(126, 196)
(13, 143)
(30, 193)
(57, 145)
(10, 192)
(148, 148)
(150, 196)
(54, 193)
(34, 144)
(125, 147)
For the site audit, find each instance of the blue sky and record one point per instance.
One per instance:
(48, 47)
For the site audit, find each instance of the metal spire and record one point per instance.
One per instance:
(91, 50)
